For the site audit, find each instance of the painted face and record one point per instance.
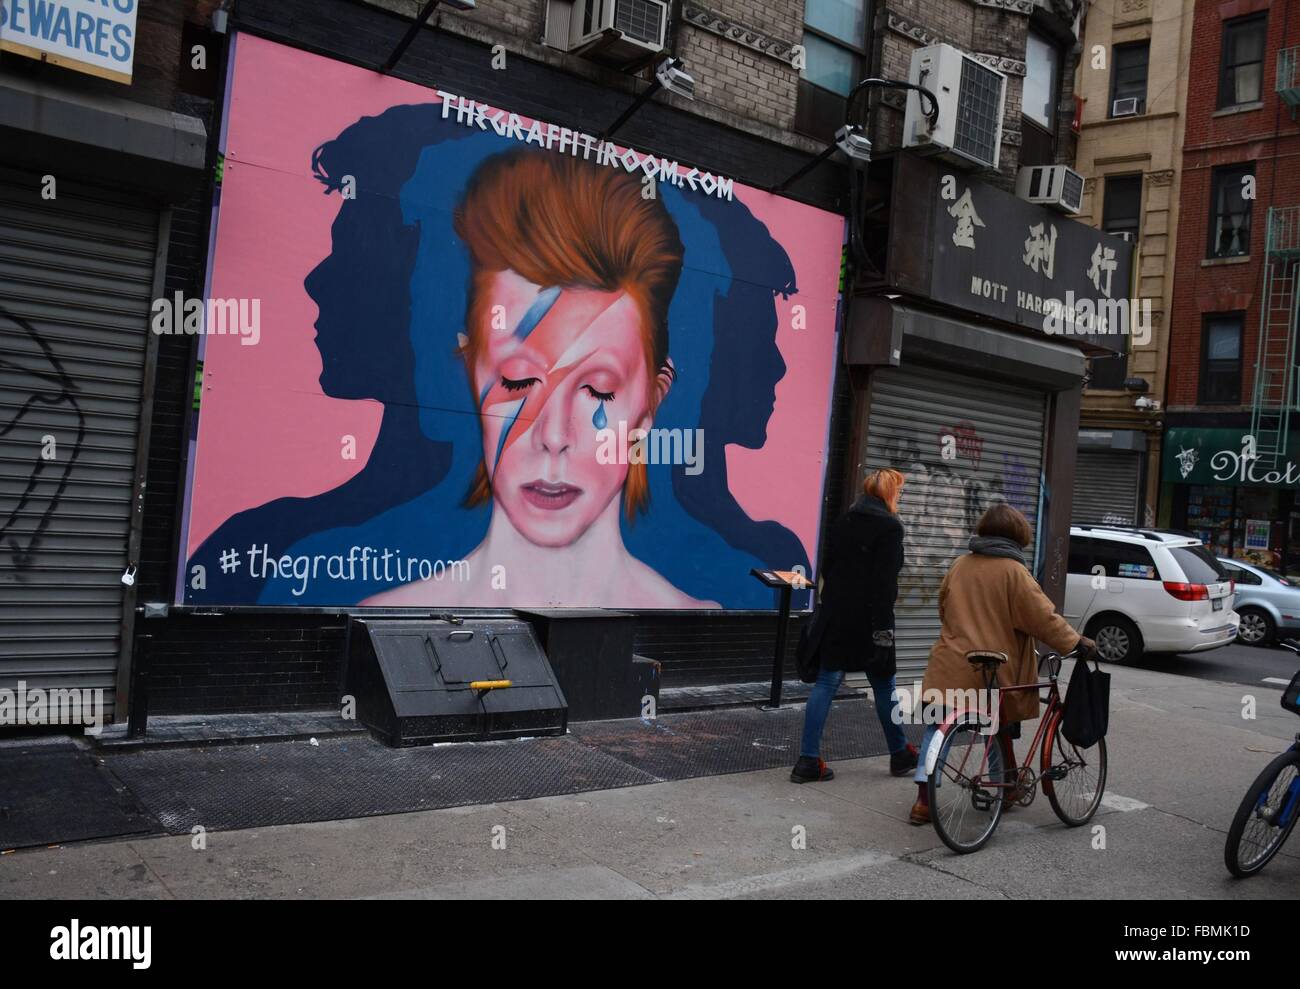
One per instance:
(557, 367)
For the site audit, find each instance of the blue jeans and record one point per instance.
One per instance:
(819, 709)
(932, 737)
(926, 740)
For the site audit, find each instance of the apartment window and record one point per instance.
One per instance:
(1221, 360)
(1241, 66)
(1042, 70)
(1229, 212)
(1121, 211)
(1121, 215)
(1129, 79)
(835, 47)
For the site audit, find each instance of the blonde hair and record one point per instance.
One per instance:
(885, 484)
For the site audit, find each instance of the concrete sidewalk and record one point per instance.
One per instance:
(1181, 757)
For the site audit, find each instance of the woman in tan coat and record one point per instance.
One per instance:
(990, 601)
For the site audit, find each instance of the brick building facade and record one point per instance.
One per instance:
(1238, 169)
(770, 80)
(1132, 163)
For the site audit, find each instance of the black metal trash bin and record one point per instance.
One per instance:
(417, 681)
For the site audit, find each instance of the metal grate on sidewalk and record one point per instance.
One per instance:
(292, 782)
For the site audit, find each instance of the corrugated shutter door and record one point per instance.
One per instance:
(995, 454)
(1106, 488)
(78, 270)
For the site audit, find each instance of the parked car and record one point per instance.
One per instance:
(1147, 590)
(1267, 602)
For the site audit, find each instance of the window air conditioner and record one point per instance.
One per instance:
(970, 97)
(1057, 186)
(1127, 107)
(613, 31)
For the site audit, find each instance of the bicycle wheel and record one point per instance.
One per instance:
(1074, 779)
(1266, 816)
(965, 802)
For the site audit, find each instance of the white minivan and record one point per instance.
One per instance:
(1146, 590)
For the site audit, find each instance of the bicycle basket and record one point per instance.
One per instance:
(1291, 697)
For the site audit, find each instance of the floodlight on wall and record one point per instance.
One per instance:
(673, 77)
(221, 18)
(420, 19)
(854, 143)
(670, 74)
(852, 139)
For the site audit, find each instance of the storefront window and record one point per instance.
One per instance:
(1257, 528)
(1209, 517)
(1292, 568)
(1257, 525)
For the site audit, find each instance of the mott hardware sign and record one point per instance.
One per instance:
(965, 243)
(93, 36)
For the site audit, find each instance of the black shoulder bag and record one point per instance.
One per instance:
(1087, 705)
(807, 653)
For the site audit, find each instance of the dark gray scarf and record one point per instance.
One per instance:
(997, 546)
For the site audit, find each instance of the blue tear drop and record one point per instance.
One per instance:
(598, 419)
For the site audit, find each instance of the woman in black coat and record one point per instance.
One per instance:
(856, 621)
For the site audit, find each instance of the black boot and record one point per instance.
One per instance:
(810, 769)
(903, 761)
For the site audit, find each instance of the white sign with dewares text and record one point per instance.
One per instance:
(94, 36)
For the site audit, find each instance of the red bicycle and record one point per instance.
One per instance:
(972, 772)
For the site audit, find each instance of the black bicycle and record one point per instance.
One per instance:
(1271, 806)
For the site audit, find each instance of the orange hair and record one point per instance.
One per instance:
(885, 484)
(561, 221)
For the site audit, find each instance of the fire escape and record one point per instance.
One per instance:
(1279, 319)
(1276, 378)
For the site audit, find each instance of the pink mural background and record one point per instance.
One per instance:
(266, 430)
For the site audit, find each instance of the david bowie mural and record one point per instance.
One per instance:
(491, 373)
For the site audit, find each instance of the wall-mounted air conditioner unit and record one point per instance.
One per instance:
(970, 96)
(612, 31)
(1058, 186)
(1127, 107)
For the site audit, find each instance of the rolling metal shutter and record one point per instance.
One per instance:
(995, 454)
(78, 273)
(1106, 488)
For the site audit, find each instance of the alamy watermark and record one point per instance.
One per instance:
(917, 706)
(208, 317)
(21, 707)
(651, 446)
(1075, 315)
(94, 942)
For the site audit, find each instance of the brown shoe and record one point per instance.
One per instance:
(1012, 796)
(920, 813)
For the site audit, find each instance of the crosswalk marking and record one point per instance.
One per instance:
(1115, 802)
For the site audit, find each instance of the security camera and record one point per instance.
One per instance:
(1149, 404)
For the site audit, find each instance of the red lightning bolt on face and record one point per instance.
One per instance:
(578, 316)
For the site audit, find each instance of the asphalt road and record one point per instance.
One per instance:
(1249, 665)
